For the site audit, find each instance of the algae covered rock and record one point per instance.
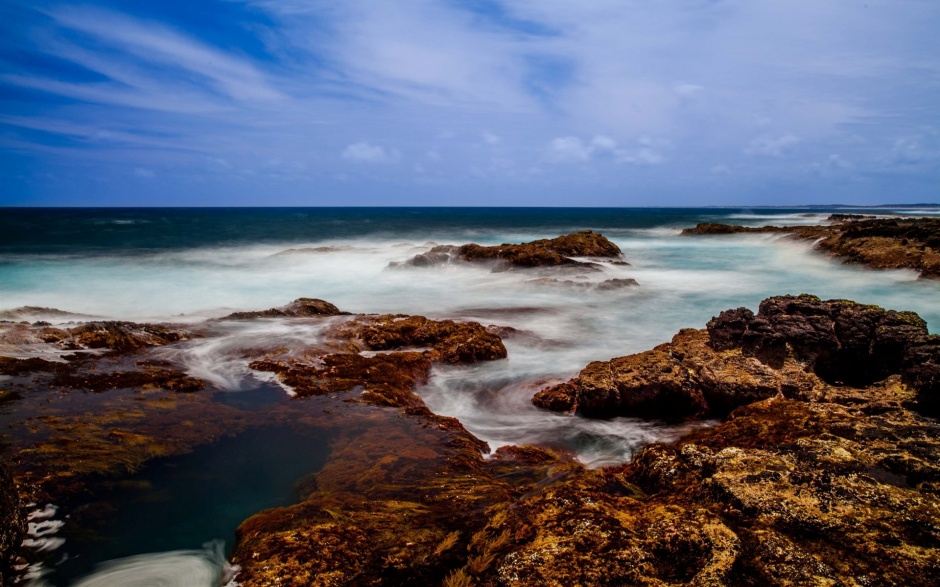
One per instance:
(451, 342)
(12, 524)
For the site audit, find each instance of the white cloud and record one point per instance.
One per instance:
(569, 149)
(792, 82)
(369, 153)
(771, 146)
(687, 89)
(144, 173)
(836, 161)
(645, 151)
(603, 143)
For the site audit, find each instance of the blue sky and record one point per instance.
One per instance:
(485, 102)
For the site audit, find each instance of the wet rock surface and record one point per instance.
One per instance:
(114, 336)
(385, 378)
(795, 346)
(12, 524)
(820, 473)
(299, 308)
(556, 252)
(880, 243)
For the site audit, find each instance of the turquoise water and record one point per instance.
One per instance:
(188, 265)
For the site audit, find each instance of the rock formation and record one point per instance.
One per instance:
(807, 481)
(554, 252)
(299, 308)
(824, 471)
(880, 243)
(793, 346)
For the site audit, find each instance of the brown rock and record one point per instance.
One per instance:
(12, 524)
(746, 357)
(880, 243)
(299, 308)
(451, 342)
(707, 228)
(826, 486)
(385, 379)
(817, 491)
(124, 336)
(540, 253)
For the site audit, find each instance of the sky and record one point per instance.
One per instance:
(469, 103)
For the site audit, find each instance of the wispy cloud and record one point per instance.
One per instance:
(488, 92)
(368, 153)
(771, 146)
(644, 151)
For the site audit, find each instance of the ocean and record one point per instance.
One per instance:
(190, 265)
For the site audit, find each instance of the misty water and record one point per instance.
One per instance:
(188, 267)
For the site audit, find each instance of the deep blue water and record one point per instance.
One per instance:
(130, 230)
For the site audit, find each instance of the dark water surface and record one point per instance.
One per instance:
(186, 501)
(137, 230)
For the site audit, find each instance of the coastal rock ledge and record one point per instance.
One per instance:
(825, 471)
(795, 346)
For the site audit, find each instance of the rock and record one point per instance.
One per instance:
(540, 253)
(921, 371)
(92, 377)
(889, 243)
(395, 504)
(842, 341)
(880, 243)
(299, 308)
(451, 342)
(121, 336)
(385, 379)
(12, 524)
(805, 483)
(706, 228)
(847, 217)
(617, 284)
(607, 285)
(682, 379)
(818, 493)
(33, 313)
(817, 484)
(745, 357)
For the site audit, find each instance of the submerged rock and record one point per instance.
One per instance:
(539, 253)
(606, 285)
(32, 313)
(299, 308)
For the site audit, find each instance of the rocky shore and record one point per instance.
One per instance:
(880, 243)
(823, 470)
